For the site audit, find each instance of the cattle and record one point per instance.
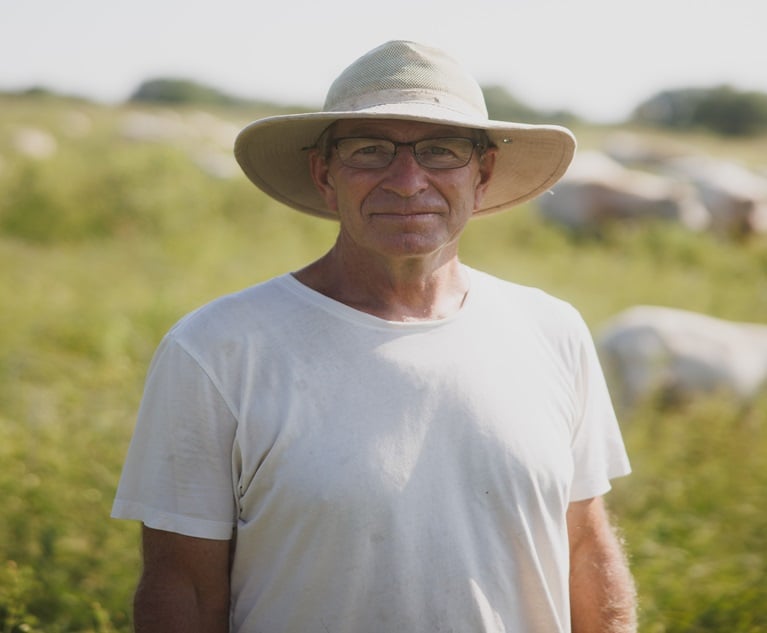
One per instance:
(651, 351)
(213, 130)
(735, 196)
(34, 143)
(597, 190)
(169, 126)
(75, 124)
(219, 165)
(163, 127)
(639, 150)
(206, 139)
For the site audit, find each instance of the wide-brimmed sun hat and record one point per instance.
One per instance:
(409, 81)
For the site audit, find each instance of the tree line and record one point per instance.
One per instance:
(723, 110)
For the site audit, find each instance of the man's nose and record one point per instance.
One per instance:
(405, 176)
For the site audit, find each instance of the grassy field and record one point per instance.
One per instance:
(113, 236)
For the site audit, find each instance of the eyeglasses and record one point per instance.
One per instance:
(432, 153)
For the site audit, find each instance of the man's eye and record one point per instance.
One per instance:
(368, 149)
(436, 150)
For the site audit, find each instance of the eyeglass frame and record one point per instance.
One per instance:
(412, 145)
(325, 143)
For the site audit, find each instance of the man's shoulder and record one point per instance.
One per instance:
(529, 309)
(520, 296)
(234, 313)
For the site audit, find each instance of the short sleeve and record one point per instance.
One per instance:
(599, 453)
(178, 472)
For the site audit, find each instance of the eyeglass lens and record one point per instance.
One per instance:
(433, 153)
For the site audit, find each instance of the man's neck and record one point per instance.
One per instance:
(408, 289)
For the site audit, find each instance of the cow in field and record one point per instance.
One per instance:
(735, 196)
(650, 350)
(639, 150)
(34, 143)
(598, 189)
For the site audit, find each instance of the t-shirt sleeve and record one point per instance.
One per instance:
(178, 472)
(599, 453)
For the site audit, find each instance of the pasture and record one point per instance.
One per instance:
(109, 232)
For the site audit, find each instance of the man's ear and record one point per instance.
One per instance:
(486, 167)
(319, 169)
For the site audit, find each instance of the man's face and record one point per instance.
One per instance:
(403, 209)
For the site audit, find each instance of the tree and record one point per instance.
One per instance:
(166, 90)
(723, 110)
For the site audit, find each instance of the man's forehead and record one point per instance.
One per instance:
(394, 128)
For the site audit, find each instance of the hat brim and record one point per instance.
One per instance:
(530, 159)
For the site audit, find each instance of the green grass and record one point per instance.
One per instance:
(694, 518)
(107, 243)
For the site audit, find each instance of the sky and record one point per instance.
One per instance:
(596, 58)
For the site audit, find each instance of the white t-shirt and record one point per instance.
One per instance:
(382, 477)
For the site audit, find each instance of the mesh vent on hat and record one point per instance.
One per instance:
(416, 72)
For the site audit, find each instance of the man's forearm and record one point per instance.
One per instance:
(160, 607)
(184, 586)
(602, 591)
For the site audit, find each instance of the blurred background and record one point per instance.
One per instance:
(596, 58)
(121, 209)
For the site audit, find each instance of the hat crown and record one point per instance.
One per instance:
(399, 72)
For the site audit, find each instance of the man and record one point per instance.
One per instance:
(385, 440)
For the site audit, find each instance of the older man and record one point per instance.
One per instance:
(385, 440)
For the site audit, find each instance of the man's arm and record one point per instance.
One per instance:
(602, 593)
(184, 586)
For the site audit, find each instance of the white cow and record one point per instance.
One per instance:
(631, 149)
(648, 350)
(205, 138)
(735, 196)
(34, 143)
(598, 189)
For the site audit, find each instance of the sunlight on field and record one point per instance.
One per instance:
(107, 239)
